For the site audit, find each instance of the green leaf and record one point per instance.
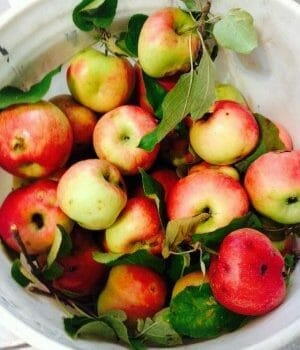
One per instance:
(236, 31)
(176, 106)
(194, 5)
(128, 41)
(195, 313)
(203, 89)
(178, 265)
(141, 257)
(53, 272)
(155, 94)
(181, 230)
(154, 190)
(17, 275)
(136, 344)
(269, 141)
(159, 330)
(216, 237)
(115, 319)
(10, 95)
(94, 14)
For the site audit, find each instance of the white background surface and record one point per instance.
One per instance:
(7, 339)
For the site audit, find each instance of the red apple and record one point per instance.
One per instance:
(285, 137)
(229, 133)
(273, 184)
(82, 274)
(137, 290)
(137, 227)
(211, 192)
(246, 276)
(117, 136)
(100, 82)
(82, 119)
(34, 211)
(35, 139)
(166, 177)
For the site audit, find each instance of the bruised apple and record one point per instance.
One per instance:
(35, 139)
(118, 134)
(100, 82)
(207, 191)
(247, 275)
(137, 227)
(82, 275)
(92, 192)
(137, 290)
(34, 211)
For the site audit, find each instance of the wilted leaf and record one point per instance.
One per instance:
(181, 230)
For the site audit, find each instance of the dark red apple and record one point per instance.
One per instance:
(247, 275)
(82, 275)
(34, 210)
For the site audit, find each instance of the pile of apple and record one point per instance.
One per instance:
(75, 161)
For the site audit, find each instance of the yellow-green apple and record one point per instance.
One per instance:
(227, 134)
(246, 276)
(137, 290)
(92, 192)
(224, 169)
(82, 119)
(137, 227)
(195, 278)
(35, 139)
(273, 184)
(100, 82)
(207, 191)
(33, 210)
(165, 176)
(82, 275)
(230, 93)
(285, 137)
(168, 42)
(117, 135)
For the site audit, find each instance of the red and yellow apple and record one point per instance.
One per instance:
(227, 134)
(246, 276)
(137, 227)
(137, 290)
(223, 169)
(273, 184)
(168, 42)
(35, 139)
(207, 191)
(117, 136)
(33, 210)
(82, 119)
(92, 192)
(195, 278)
(100, 82)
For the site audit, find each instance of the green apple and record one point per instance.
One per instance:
(168, 42)
(92, 193)
(100, 82)
(230, 93)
